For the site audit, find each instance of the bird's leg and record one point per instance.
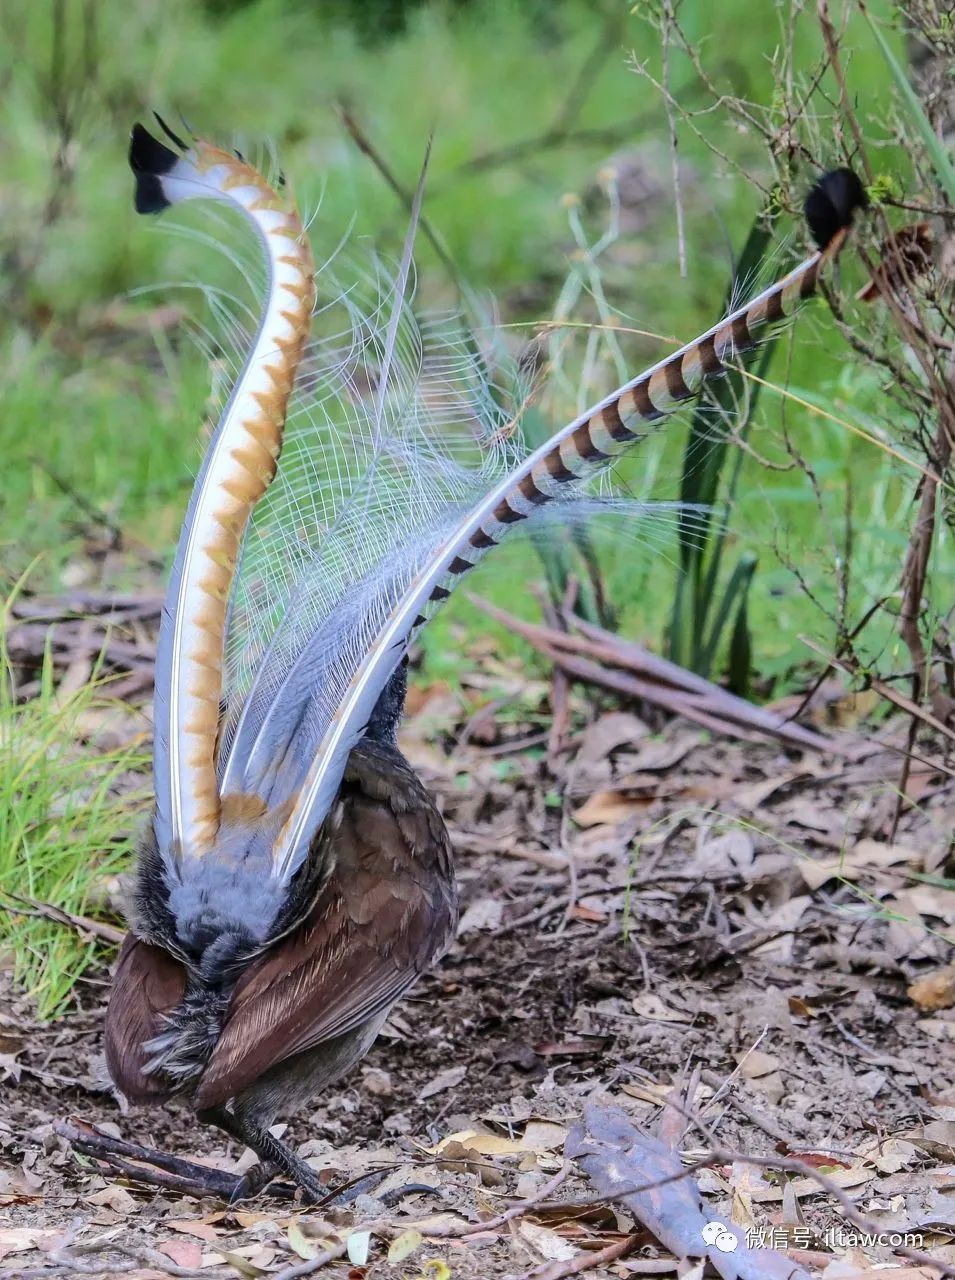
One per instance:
(255, 1180)
(278, 1157)
(275, 1156)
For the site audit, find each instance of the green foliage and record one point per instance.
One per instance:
(935, 148)
(702, 607)
(68, 814)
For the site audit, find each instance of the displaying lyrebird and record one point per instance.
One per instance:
(296, 878)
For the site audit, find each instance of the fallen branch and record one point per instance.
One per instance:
(618, 1157)
(82, 924)
(619, 1129)
(635, 671)
(584, 1261)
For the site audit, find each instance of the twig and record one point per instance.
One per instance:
(83, 924)
(585, 1261)
(368, 148)
(754, 1116)
(668, 20)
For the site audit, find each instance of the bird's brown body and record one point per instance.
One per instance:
(308, 1007)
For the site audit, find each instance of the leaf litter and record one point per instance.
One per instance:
(649, 903)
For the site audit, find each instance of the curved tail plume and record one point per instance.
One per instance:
(239, 466)
(554, 470)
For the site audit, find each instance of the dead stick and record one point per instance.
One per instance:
(585, 1261)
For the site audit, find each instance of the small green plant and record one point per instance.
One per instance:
(701, 612)
(68, 813)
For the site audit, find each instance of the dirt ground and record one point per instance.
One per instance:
(646, 909)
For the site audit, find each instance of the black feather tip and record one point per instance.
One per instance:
(831, 204)
(149, 159)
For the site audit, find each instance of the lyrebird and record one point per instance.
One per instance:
(296, 877)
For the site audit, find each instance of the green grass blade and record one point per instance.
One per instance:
(936, 149)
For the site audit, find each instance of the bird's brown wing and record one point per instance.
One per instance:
(148, 983)
(386, 912)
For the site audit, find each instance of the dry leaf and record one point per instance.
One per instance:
(115, 1198)
(937, 1138)
(300, 1243)
(607, 807)
(357, 1246)
(650, 1006)
(864, 856)
(443, 1080)
(194, 1227)
(484, 913)
(546, 1242)
(544, 1135)
(731, 852)
(184, 1253)
(934, 991)
(762, 1071)
(435, 1269)
(937, 1027)
(20, 1239)
(404, 1246)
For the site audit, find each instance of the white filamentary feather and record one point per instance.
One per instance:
(401, 466)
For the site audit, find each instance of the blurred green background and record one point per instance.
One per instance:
(539, 112)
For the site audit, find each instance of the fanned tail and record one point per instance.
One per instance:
(555, 470)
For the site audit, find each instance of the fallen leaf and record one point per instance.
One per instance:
(194, 1227)
(115, 1198)
(357, 1246)
(937, 1138)
(546, 1242)
(937, 1027)
(543, 1135)
(731, 852)
(484, 913)
(435, 1269)
(300, 1243)
(20, 1239)
(762, 1071)
(588, 915)
(863, 856)
(404, 1245)
(184, 1253)
(443, 1080)
(652, 1007)
(235, 1259)
(934, 991)
(606, 807)
(570, 1048)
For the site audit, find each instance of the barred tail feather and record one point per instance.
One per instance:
(556, 469)
(238, 468)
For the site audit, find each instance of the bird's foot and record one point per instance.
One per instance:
(253, 1181)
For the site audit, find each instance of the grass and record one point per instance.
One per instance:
(68, 814)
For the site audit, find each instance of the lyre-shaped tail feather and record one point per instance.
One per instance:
(556, 469)
(238, 467)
